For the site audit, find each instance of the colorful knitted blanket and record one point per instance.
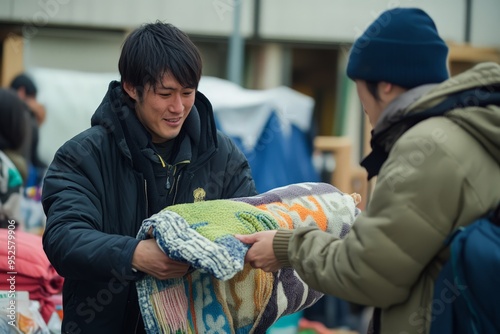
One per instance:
(222, 294)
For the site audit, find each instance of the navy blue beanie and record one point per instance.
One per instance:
(402, 47)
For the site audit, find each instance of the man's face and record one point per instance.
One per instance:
(163, 110)
(372, 107)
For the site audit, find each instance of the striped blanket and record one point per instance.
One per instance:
(223, 295)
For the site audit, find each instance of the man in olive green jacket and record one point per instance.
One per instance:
(436, 171)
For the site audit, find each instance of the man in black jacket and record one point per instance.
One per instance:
(152, 143)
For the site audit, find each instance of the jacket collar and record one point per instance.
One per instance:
(397, 109)
(386, 132)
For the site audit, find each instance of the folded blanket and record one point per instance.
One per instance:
(225, 295)
(35, 274)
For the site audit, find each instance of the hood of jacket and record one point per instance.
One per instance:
(116, 113)
(479, 112)
(471, 99)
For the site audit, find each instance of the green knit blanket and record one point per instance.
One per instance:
(223, 295)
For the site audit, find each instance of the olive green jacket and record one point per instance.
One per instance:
(441, 173)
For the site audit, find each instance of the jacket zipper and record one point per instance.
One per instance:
(146, 194)
(168, 184)
(169, 168)
(176, 178)
(177, 186)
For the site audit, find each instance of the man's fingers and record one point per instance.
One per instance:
(247, 239)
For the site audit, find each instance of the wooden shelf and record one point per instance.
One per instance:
(346, 177)
(340, 147)
(462, 57)
(11, 57)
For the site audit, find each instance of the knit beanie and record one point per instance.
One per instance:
(402, 47)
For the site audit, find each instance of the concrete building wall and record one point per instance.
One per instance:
(312, 20)
(88, 51)
(207, 17)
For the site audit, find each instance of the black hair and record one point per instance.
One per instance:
(156, 49)
(22, 80)
(13, 120)
(372, 87)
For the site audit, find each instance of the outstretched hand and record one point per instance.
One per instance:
(261, 253)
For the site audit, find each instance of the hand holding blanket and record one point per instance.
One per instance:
(224, 295)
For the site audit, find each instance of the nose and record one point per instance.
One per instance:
(176, 105)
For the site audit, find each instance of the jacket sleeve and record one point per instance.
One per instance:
(238, 175)
(414, 204)
(73, 239)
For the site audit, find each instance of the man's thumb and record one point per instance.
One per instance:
(247, 239)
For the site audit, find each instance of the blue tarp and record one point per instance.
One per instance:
(279, 159)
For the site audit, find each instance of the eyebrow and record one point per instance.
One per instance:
(172, 88)
(160, 86)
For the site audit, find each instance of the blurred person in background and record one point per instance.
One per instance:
(27, 92)
(152, 143)
(13, 166)
(436, 151)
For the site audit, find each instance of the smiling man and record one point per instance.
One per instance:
(152, 143)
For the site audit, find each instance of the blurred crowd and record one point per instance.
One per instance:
(21, 214)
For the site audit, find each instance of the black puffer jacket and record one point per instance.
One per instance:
(105, 181)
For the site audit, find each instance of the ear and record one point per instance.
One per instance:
(390, 90)
(131, 90)
(21, 92)
(385, 87)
